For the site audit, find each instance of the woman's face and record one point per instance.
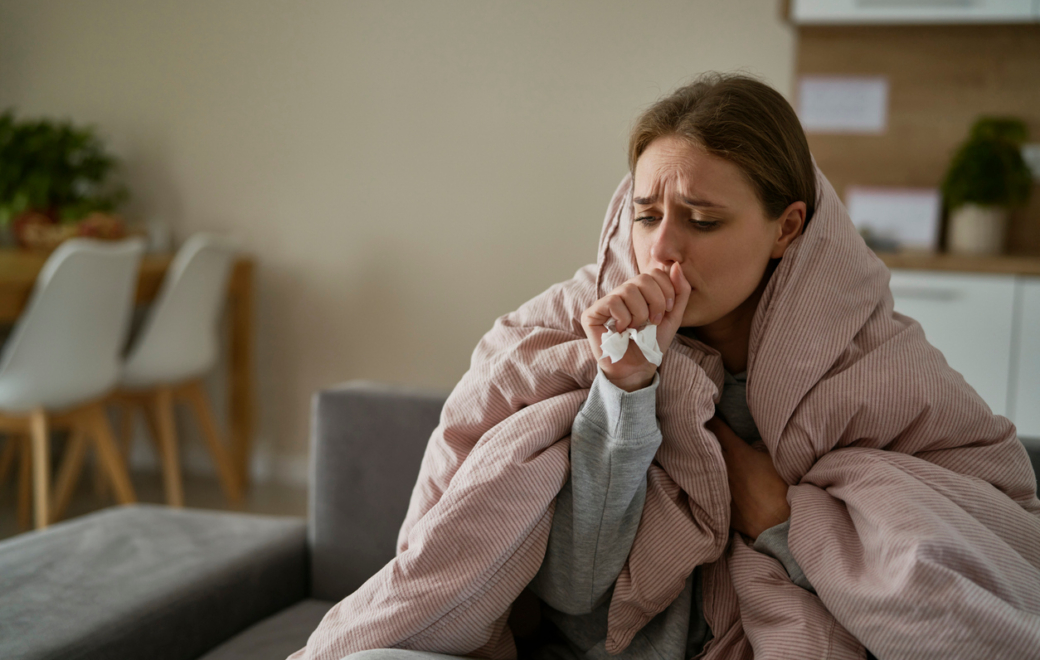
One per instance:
(698, 210)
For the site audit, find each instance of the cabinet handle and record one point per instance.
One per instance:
(925, 293)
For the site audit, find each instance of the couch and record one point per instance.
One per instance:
(152, 582)
(145, 581)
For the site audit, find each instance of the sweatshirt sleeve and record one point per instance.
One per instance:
(773, 542)
(613, 440)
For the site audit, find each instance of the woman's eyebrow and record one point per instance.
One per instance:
(688, 201)
(694, 201)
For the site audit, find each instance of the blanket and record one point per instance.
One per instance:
(913, 508)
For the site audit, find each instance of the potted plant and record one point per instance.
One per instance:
(54, 183)
(986, 179)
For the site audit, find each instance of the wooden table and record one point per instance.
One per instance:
(18, 271)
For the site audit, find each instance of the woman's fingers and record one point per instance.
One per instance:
(644, 299)
(636, 305)
(649, 297)
(759, 494)
(729, 440)
(660, 294)
(681, 286)
(617, 309)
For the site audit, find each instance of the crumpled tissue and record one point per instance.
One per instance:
(615, 344)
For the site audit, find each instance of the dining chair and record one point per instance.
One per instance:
(177, 346)
(60, 363)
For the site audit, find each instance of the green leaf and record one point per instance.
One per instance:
(988, 169)
(54, 166)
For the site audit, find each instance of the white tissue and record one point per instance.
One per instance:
(615, 344)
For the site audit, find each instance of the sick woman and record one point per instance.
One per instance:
(719, 441)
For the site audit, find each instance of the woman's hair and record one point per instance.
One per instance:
(744, 121)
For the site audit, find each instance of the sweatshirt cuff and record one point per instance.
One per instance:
(773, 542)
(625, 416)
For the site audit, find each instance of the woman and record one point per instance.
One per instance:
(887, 506)
(706, 240)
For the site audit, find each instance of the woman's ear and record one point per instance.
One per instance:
(789, 226)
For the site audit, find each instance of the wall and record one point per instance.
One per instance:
(403, 172)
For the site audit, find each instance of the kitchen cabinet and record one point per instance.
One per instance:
(853, 12)
(970, 317)
(1024, 391)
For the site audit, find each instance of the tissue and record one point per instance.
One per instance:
(615, 344)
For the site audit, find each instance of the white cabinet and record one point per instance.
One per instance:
(850, 12)
(970, 318)
(1024, 391)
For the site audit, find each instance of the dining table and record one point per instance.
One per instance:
(18, 271)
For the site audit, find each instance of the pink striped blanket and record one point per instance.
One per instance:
(913, 508)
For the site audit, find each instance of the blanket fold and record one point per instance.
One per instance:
(914, 509)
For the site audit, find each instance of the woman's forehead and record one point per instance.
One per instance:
(677, 168)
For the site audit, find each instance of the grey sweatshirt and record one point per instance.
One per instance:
(613, 441)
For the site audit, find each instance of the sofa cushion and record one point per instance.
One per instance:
(367, 442)
(276, 637)
(146, 582)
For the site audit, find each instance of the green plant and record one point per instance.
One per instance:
(54, 168)
(988, 169)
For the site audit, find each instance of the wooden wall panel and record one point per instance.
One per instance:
(940, 79)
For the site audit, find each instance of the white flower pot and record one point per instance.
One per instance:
(976, 229)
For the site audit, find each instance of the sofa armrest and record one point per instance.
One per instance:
(367, 442)
(146, 582)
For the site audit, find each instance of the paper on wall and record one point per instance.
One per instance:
(908, 217)
(843, 104)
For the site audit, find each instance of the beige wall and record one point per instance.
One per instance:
(403, 172)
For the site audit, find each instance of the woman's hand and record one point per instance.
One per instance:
(759, 493)
(657, 297)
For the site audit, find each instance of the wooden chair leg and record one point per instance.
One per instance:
(24, 483)
(68, 473)
(126, 432)
(166, 434)
(195, 395)
(7, 458)
(41, 467)
(108, 454)
(148, 411)
(101, 480)
(126, 428)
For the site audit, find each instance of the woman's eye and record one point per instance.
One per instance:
(646, 219)
(705, 224)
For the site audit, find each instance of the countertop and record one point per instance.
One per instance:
(999, 264)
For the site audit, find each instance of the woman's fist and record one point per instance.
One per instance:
(657, 297)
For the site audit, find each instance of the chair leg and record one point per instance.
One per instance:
(166, 434)
(24, 483)
(108, 454)
(196, 398)
(126, 428)
(126, 431)
(100, 480)
(68, 473)
(7, 458)
(148, 411)
(41, 467)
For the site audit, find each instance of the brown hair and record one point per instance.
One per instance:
(745, 121)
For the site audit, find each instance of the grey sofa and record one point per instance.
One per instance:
(151, 582)
(157, 583)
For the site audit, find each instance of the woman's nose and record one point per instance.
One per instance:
(665, 248)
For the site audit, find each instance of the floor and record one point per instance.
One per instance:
(199, 492)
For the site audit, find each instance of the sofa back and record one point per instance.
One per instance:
(367, 442)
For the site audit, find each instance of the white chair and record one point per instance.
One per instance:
(63, 359)
(178, 344)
